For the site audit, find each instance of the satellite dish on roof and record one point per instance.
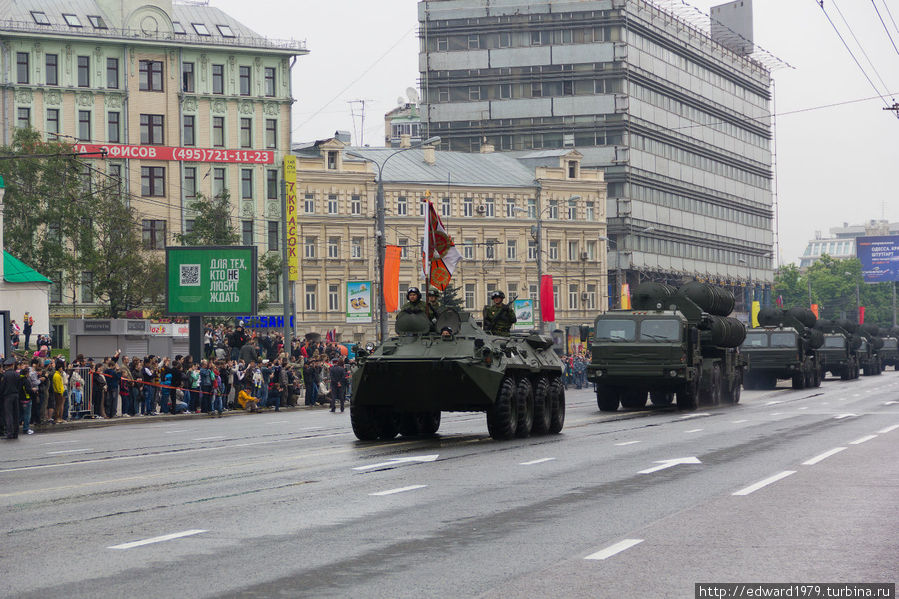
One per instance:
(400, 100)
(412, 94)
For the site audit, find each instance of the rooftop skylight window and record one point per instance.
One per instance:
(97, 21)
(72, 20)
(200, 28)
(178, 27)
(225, 30)
(40, 17)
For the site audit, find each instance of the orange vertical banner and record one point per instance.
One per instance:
(815, 310)
(391, 277)
(625, 296)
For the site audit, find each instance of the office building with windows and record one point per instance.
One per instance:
(679, 122)
(840, 244)
(490, 203)
(184, 98)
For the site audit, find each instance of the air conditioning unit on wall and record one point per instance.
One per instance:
(481, 209)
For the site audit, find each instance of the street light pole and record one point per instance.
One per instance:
(380, 232)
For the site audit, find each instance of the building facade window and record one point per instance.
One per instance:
(218, 132)
(189, 130)
(311, 293)
(246, 133)
(153, 234)
(271, 184)
(401, 206)
(445, 207)
(87, 287)
(84, 125)
(52, 122)
(152, 129)
(218, 181)
(112, 73)
(51, 69)
(467, 207)
(274, 289)
(189, 187)
(113, 127)
(356, 204)
(490, 205)
(573, 251)
(187, 77)
(23, 118)
(553, 211)
(271, 134)
(152, 181)
(572, 209)
(332, 203)
(84, 71)
(468, 249)
(590, 302)
(591, 250)
(511, 249)
(356, 248)
(573, 293)
(511, 209)
(404, 247)
(532, 208)
(470, 296)
(333, 298)
(56, 288)
(274, 236)
(218, 79)
(246, 232)
(246, 183)
(269, 74)
(554, 250)
(23, 72)
(532, 250)
(244, 77)
(309, 203)
(589, 212)
(333, 248)
(309, 247)
(150, 75)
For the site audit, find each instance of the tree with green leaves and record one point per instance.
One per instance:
(451, 298)
(45, 202)
(213, 224)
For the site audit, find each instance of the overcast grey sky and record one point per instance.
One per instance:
(836, 164)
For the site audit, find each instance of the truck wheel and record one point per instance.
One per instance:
(525, 408)
(386, 423)
(748, 382)
(408, 424)
(363, 420)
(845, 373)
(557, 399)
(732, 395)
(502, 416)
(687, 397)
(543, 409)
(430, 423)
(661, 398)
(818, 377)
(633, 400)
(798, 381)
(711, 395)
(607, 399)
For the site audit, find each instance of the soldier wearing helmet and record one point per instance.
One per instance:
(434, 308)
(413, 301)
(498, 317)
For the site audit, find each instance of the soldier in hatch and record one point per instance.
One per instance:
(498, 317)
(413, 301)
(434, 307)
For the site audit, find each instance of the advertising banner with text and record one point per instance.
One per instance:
(209, 280)
(358, 301)
(293, 255)
(119, 151)
(879, 257)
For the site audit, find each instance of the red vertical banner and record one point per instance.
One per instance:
(391, 277)
(815, 310)
(861, 315)
(547, 301)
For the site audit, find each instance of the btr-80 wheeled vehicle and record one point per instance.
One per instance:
(404, 384)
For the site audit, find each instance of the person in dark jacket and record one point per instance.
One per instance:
(9, 398)
(310, 379)
(338, 384)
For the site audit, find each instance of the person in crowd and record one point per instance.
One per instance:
(98, 390)
(310, 380)
(206, 378)
(266, 372)
(27, 324)
(27, 393)
(249, 352)
(166, 392)
(413, 303)
(57, 392)
(193, 376)
(338, 377)
(10, 385)
(246, 401)
(148, 374)
(14, 331)
(76, 390)
(217, 389)
(237, 340)
(499, 317)
(113, 383)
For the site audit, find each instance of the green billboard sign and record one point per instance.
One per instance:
(207, 280)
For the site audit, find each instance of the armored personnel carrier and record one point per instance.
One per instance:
(403, 385)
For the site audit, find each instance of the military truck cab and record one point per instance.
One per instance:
(889, 353)
(779, 353)
(837, 358)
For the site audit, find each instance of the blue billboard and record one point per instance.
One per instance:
(879, 257)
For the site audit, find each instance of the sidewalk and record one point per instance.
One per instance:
(104, 422)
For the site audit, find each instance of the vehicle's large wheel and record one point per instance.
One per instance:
(429, 423)
(543, 409)
(502, 416)
(711, 394)
(798, 381)
(525, 408)
(633, 400)
(607, 398)
(688, 395)
(749, 382)
(661, 398)
(846, 373)
(363, 420)
(557, 399)
(731, 395)
(817, 377)
(878, 367)
(409, 423)
(386, 423)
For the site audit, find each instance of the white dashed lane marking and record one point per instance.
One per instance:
(614, 549)
(174, 535)
(764, 483)
(823, 456)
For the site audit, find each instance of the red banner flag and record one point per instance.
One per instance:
(391, 277)
(547, 299)
(861, 315)
(440, 253)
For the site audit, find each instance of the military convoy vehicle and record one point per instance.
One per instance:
(404, 385)
(889, 353)
(837, 355)
(675, 342)
(869, 350)
(783, 347)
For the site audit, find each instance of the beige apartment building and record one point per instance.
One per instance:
(183, 97)
(490, 204)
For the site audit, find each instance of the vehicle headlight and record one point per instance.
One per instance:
(673, 373)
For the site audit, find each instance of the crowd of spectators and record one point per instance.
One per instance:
(240, 371)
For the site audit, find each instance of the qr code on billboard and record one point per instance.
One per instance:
(190, 275)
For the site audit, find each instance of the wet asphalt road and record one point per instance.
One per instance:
(788, 486)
